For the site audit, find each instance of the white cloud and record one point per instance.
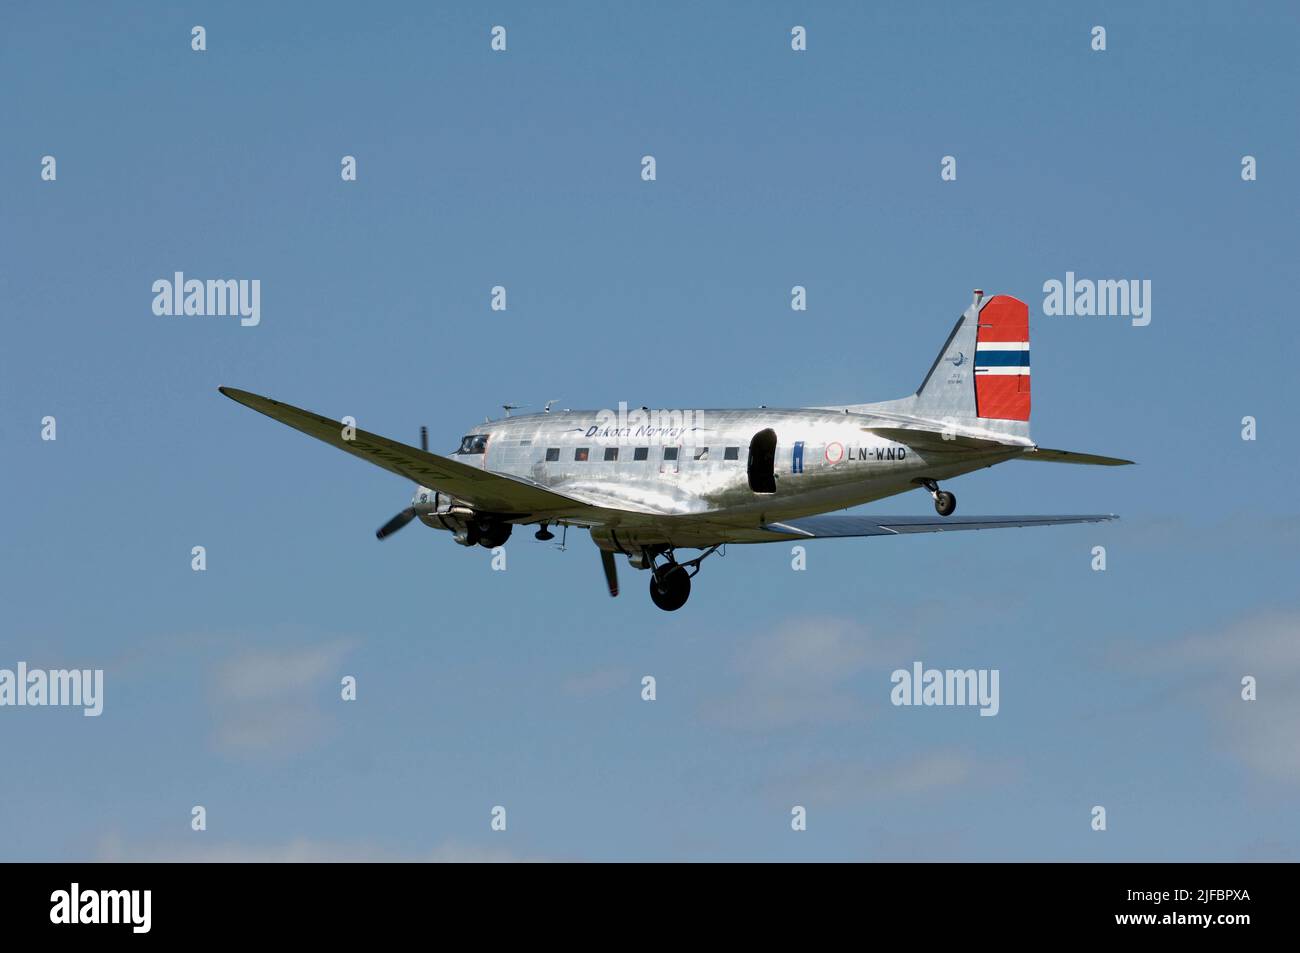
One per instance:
(1266, 645)
(853, 782)
(803, 673)
(269, 700)
(297, 850)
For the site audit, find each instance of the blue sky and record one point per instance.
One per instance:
(522, 688)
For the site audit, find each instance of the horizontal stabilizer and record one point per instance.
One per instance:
(932, 441)
(832, 527)
(1069, 456)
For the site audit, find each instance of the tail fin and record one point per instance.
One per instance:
(981, 377)
(1002, 360)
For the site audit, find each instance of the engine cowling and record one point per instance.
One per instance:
(467, 526)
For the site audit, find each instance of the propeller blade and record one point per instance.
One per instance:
(424, 439)
(611, 571)
(396, 523)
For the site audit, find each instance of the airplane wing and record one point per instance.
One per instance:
(831, 527)
(490, 492)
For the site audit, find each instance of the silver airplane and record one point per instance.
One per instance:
(647, 483)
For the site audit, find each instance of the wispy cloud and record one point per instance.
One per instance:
(268, 701)
(802, 674)
(295, 851)
(1265, 645)
(853, 782)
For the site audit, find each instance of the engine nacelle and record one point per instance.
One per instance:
(467, 526)
(629, 542)
(440, 511)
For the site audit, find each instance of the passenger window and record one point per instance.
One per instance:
(581, 454)
(701, 453)
(670, 453)
(640, 453)
(731, 453)
(552, 454)
(611, 453)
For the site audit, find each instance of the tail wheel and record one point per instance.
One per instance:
(945, 504)
(670, 587)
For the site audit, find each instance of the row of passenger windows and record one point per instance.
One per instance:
(583, 454)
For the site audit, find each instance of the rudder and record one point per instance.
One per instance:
(1002, 360)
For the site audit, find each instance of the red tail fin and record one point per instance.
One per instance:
(1002, 360)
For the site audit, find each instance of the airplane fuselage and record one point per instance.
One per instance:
(746, 467)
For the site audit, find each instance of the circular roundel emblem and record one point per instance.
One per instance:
(834, 452)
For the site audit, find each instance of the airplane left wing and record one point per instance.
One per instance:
(484, 490)
(831, 527)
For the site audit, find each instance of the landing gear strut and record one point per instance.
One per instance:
(670, 582)
(945, 503)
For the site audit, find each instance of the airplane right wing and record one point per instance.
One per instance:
(491, 492)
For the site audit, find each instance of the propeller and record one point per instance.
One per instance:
(611, 571)
(408, 514)
(396, 523)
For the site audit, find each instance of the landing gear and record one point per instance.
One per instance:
(945, 503)
(492, 535)
(670, 587)
(670, 581)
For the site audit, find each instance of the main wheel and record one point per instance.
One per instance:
(945, 503)
(494, 535)
(670, 587)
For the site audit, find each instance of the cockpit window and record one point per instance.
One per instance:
(474, 443)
